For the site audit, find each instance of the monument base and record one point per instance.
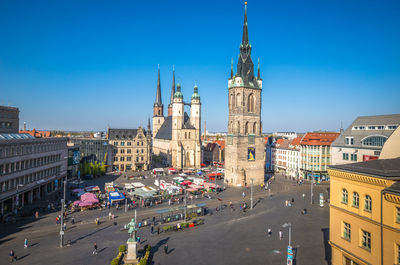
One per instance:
(131, 253)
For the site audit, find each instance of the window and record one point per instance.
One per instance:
(128, 158)
(349, 140)
(128, 151)
(122, 143)
(115, 158)
(346, 231)
(122, 158)
(392, 127)
(398, 215)
(356, 199)
(377, 153)
(116, 143)
(129, 143)
(344, 196)
(230, 140)
(122, 151)
(345, 156)
(353, 157)
(250, 106)
(398, 254)
(374, 141)
(368, 203)
(366, 240)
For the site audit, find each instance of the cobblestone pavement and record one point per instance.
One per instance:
(225, 238)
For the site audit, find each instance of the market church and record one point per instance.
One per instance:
(176, 137)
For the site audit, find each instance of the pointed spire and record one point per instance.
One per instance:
(231, 68)
(258, 71)
(245, 38)
(148, 124)
(158, 94)
(173, 85)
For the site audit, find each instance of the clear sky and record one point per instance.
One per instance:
(83, 65)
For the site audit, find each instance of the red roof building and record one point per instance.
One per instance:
(37, 134)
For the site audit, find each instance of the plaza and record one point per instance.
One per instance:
(226, 237)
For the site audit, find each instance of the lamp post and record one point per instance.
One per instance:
(62, 215)
(185, 209)
(311, 184)
(290, 250)
(251, 192)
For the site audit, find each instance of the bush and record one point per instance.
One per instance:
(148, 248)
(115, 261)
(167, 228)
(122, 248)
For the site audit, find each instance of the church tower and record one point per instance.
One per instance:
(178, 114)
(158, 108)
(244, 155)
(195, 121)
(172, 93)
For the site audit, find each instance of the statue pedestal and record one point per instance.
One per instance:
(131, 254)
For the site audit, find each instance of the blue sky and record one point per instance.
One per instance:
(84, 65)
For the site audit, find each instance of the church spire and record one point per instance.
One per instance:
(231, 68)
(158, 101)
(258, 70)
(173, 85)
(245, 37)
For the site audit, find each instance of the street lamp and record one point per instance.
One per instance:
(251, 192)
(290, 250)
(311, 183)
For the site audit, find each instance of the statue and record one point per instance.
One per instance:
(132, 230)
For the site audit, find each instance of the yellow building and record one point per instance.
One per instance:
(365, 212)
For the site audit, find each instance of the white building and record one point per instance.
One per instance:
(287, 156)
(364, 138)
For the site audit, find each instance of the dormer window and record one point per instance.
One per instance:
(349, 140)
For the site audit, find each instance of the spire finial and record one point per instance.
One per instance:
(258, 71)
(173, 84)
(245, 38)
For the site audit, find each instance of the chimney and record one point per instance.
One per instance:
(24, 126)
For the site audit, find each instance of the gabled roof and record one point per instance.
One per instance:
(165, 131)
(383, 168)
(319, 138)
(122, 134)
(282, 144)
(295, 143)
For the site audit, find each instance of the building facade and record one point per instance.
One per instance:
(315, 151)
(364, 138)
(244, 156)
(287, 157)
(270, 154)
(9, 119)
(95, 149)
(177, 137)
(213, 152)
(365, 212)
(30, 168)
(131, 148)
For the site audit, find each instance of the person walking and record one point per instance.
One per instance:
(109, 215)
(280, 235)
(12, 256)
(243, 194)
(152, 228)
(26, 243)
(269, 232)
(95, 249)
(158, 230)
(166, 248)
(304, 195)
(72, 220)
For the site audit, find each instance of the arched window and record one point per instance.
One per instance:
(375, 140)
(185, 135)
(250, 103)
(368, 203)
(255, 127)
(231, 127)
(238, 127)
(356, 199)
(159, 112)
(246, 128)
(345, 196)
(238, 101)
(232, 103)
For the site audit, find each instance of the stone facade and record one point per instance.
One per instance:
(9, 119)
(176, 138)
(245, 150)
(132, 148)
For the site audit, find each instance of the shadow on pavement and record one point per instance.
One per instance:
(156, 248)
(90, 234)
(101, 249)
(328, 251)
(26, 255)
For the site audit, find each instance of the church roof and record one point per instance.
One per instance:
(158, 101)
(165, 131)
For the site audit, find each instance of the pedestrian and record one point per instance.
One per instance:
(269, 232)
(65, 226)
(292, 200)
(95, 249)
(304, 195)
(152, 228)
(57, 221)
(158, 230)
(112, 217)
(109, 216)
(166, 249)
(243, 194)
(280, 235)
(26, 243)
(72, 220)
(12, 256)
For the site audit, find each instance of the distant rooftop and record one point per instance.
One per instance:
(13, 136)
